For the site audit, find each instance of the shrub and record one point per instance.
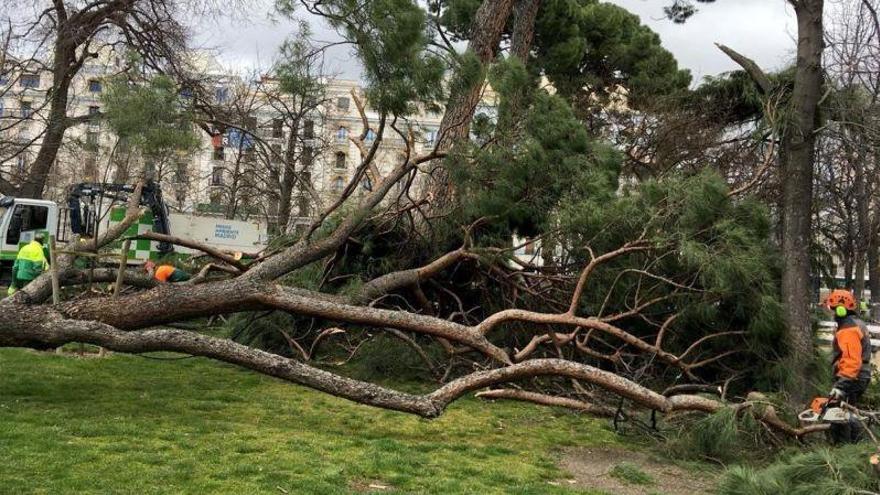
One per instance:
(721, 437)
(824, 471)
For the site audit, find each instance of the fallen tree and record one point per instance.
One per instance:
(124, 323)
(672, 281)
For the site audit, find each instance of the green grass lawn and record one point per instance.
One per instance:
(126, 424)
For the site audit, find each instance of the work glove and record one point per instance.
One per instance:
(837, 394)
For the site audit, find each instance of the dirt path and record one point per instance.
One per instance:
(618, 471)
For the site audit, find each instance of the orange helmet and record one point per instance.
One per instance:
(841, 297)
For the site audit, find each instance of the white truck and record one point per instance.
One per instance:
(93, 208)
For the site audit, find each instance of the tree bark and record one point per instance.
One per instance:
(43, 328)
(873, 267)
(288, 180)
(873, 253)
(525, 12)
(857, 156)
(489, 23)
(798, 144)
(63, 61)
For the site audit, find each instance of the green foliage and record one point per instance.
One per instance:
(586, 43)
(385, 357)
(840, 471)
(457, 15)
(720, 437)
(538, 151)
(296, 68)
(149, 116)
(599, 45)
(266, 330)
(717, 246)
(734, 97)
(390, 41)
(269, 330)
(679, 11)
(631, 474)
(468, 73)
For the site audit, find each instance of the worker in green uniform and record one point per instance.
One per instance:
(29, 264)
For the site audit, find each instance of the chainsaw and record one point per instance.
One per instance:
(823, 410)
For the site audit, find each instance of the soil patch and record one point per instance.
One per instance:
(618, 471)
(374, 486)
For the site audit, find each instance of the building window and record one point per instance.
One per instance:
(530, 248)
(342, 103)
(180, 173)
(305, 178)
(277, 128)
(1, 107)
(95, 86)
(430, 137)
(26, 109)
(94, 111)
(217, 176)
(341, 135)
(250, 123)
(29, 81)
(91, 141)
(218, 154)
(371, 136)
(186, 92)
(340, 159)
(307, 157)
(302, 203)
(337, 185)
(366, 184)
(309, 129)
(90, 171)
(20, 164)
(221, 95)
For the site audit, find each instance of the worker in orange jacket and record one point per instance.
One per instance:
(851, 363)
(165, 273)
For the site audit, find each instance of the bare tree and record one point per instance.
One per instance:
(60, 37)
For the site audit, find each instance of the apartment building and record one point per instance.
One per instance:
(230, 172)
(328, 146)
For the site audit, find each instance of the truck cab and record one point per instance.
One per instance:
(20, 219)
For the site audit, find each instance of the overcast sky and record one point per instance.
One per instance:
(761, 29)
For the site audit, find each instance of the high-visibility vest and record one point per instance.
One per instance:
(30, 262)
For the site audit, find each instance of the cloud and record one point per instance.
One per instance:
(250, 40)
(761, 29)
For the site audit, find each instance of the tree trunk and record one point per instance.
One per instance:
(524, 14)
(485, 37)
(859, 276)
(848, 264)
(862, 235)
(873, 253)
(288, 180)
(873, 268)
(38, 175)
(797, 190)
